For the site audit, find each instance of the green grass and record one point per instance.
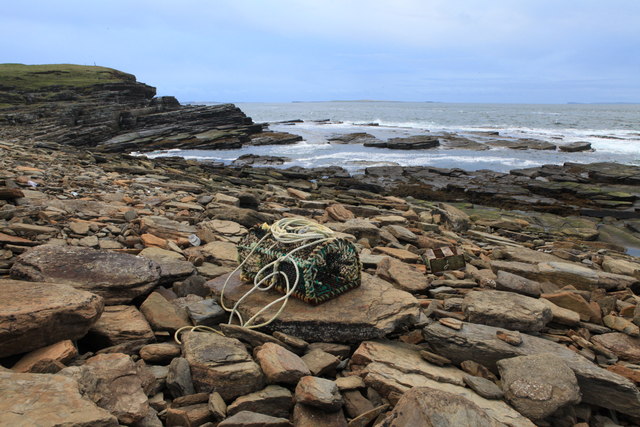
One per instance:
(37, 78)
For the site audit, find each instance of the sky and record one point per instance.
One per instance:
(503, 51)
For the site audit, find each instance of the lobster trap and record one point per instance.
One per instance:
(326, 269)
(442, 259)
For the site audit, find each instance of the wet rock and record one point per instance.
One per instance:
(111, 381)
(479, 343)
(507, 310)
(221, 364)
(118, 324)
(35, 314)
(40, 399)
(254, 159)
(538, 385)
(353, 138)
(319, 393)
(280, 365)
(418, 142)
(370, 311)
(117, 277)
(430, 406)
(575, 147)
(273, 400)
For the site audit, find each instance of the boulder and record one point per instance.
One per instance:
(119, 324)
(273, 400)
(48, 400)
(280, 365)
(117, 277)
(319, 393)
(479, 343)
(111, 381)
(221, 364)
(538, 385)
(506, 310)
(35, 314)
(370, 311)
(429, 406)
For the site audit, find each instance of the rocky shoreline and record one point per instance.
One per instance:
(100, 265)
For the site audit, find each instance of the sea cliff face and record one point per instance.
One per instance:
(109, 110)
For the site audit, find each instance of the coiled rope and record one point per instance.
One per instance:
(288, 231)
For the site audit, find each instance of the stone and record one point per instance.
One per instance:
(297, 345)
(163, 315)
(355, 404)
(79, 227)
(319, 393)
(506, 310)
(47, 400)
(401, 254)
(484, 387)
(321, 363)
(575, 147)
(190, 415)
(217, 406)
(201, 311)
(341, 351)
(479, 343)
(621, 324)
(510, 337)
(221, 364)
(309, 416)
(166, 228)
(221, 253)
(370, 311)
(250, 336)
(538, 385)
(571, 301)
(369, 417)
(436, 359)
(117, 277)
(62, 352)
(561, 315)
(173, 266)
(338, 212)
(119, 324)
(36, 314)
(521, 254)
(621, 266)
(401, 233)
(351, 382)
(254, 419)
(456, 219)
(161, 353)
(179, 381)
(273, 400)
(405, 359)
(521, 285)
(280, 365)
(429, 406)
(402, 275)
(111, 381)
(622, 345)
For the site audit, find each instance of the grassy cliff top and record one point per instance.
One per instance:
(34, 78)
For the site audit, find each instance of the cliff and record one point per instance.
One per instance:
(110, 110)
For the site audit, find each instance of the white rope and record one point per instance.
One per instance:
(289, 231)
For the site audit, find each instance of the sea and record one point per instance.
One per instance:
(612, 129)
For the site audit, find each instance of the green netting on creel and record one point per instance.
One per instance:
(327, 269)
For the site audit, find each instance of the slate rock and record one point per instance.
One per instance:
(163, 315)
(424, 406)
(280, 365)
(35, 314)
(309, 416)
(272, 400)
(370, 311)
(538, 385)
(179, 381)
(514, 283)
(221, 364)
(119, 324)
(254, 419)
(61, 352)
(484, 387)
(160, 353)
(117, 277)
(111, 381)
(47, 400)
(479, 343)
(319, 393)
(622, 345)
(507, 310)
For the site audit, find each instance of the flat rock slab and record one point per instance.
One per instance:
(422, 406)
(221, 364)
(480, 344)
(117, 277)
(35, 314)
(370, 311)
(47, 400)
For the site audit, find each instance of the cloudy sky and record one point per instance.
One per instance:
(529, 51)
